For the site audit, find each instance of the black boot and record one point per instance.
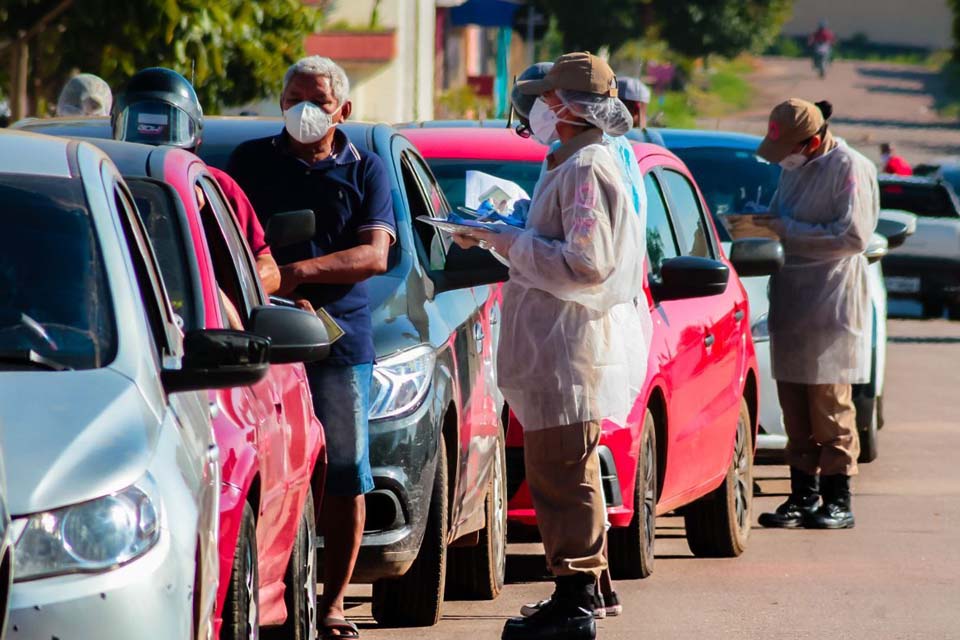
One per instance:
(835, 512)
(567, 616)
(803, 501)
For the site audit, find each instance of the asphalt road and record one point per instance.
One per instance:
(895, 576)
(873, 102)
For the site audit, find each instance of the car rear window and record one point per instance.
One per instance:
(55, 299)
(927, 200)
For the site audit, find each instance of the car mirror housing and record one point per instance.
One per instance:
(690, 277)
(295, 335)
(756, 256)
(467, 268)
(895, 232)
(877, 249)
(290, 227)
(217, 359)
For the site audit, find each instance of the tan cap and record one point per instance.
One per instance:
(575, 72)
(791, 123)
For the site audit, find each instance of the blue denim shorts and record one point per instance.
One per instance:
(341, 400)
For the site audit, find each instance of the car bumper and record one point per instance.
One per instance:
(919, 278)
(403, 459)
(150, 597)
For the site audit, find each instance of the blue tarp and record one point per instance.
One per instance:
(485, 13)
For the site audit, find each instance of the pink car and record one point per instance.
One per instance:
(271, 446)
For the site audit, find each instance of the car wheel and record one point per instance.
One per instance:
(478, 572)
(415, 599)
(932, 308)
(241, 611)
(867, 429)
(631, 548)
(718, 524)
(300, 582)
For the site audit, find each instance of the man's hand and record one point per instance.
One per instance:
(269, 273)
(305, 305)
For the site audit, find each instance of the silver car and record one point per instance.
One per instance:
(112, 467)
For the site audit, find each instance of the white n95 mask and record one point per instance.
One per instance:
(793, 162)
(307, 123)
(543, 122)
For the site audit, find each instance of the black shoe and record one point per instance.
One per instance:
(803, 501)
(835, 512)
(567, 616)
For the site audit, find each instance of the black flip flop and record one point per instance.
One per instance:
(348, 630)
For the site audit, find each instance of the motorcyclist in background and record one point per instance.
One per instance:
(821, 43)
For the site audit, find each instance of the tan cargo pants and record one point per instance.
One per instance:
(563, 473)
(821, 425)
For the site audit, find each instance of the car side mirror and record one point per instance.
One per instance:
(290, 227)
(217, 359)
(295, 335)
(756, 256)
(690, 277)
(876, 249)
(465, 268)
(894, 231)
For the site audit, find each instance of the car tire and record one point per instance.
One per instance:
(415, 599)
(631, 549)
(300, 582)
(932, 308)
(241, 609)
(867, 429)
(718, 524)
(478, 572)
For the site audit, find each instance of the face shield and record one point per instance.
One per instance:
(156, 123)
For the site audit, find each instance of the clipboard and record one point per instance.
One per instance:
(334, 330)
(744, 225)
(464, 227)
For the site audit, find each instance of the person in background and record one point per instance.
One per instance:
(85, 95)
(574, 340)
(892, 163)
(160, 107)
(311, 164)
(822, 36)
(825, 210)
(636, 95)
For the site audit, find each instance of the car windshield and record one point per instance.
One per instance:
(927, 200)
(451, 174)
(730, 178)
(159, 215)
(55, 305)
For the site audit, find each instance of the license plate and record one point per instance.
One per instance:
(902, 285)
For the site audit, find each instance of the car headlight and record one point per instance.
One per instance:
(401, 381)
(759, 329)
(92, 536)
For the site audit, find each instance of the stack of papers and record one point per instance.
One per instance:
(461, 226)
(745, 225)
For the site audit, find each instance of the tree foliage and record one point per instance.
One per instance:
(598, 23)
(699, 28)
(235, 50)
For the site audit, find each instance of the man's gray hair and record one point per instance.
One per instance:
(324, 67)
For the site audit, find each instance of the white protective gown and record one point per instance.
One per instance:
(574, 340)
(820, 319)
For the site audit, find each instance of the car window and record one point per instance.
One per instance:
(160, 218)
(661, 244)
(54, 294)
(152, 291)
(232, 262)
(692, 230)
(927, 200)
(425, 199)
(452, 174)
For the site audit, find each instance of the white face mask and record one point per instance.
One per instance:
(307, 123)
(543, 122)
(793, 161)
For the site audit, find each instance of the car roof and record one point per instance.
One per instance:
(694, 138)
(453, 142)
(889, 178)
(29, 154)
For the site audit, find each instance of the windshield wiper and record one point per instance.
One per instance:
(31, 358)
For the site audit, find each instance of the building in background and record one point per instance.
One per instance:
(918, 23)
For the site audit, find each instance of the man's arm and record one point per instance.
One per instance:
(369, 258)
(269, 273)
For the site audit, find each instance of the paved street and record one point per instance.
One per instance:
(895, 576)
(873, 103)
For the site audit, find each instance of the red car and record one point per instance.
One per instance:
(271, 446)
(688, 444)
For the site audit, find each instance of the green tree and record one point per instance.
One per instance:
(955, 7)
(599, 23)
(236, 51)
(700, 28)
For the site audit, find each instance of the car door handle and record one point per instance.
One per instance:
(738, 316)
(709, 340)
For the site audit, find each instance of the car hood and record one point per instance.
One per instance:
(70, 436)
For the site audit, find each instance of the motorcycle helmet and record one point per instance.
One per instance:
(158, 106)
(522, 103)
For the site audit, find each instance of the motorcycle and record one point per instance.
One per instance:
(821, 58)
